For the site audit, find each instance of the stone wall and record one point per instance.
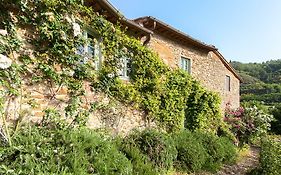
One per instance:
(29, 106)
(205, 67)
(109, 114)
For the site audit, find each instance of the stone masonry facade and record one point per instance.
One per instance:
(206, 67)
(110, 114)
(34, 99)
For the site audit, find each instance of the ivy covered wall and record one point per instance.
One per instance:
(40, 69)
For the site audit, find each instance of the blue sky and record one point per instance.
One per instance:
(243, 30)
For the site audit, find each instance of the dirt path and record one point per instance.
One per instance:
(248, 163)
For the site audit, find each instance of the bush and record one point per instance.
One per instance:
(229, 150)
(201, 151)
(191, 153)
(248, 123)
(202, 110)
(276, 124)
(157, 146)
(220, 150)
(140, 162)
(270, 156)
(47, 151)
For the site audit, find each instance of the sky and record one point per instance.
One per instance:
(242, 30)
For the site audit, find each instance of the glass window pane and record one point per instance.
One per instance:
(182, 63)
(125, 68)
(185, 64)
(91, 51)
(80, 50)
(188, 65)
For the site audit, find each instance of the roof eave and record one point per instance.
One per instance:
(180, 33)
(228, 66)
(118, 15)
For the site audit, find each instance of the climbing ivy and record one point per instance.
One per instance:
(167, 96)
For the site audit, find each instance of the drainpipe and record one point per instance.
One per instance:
(148, 38)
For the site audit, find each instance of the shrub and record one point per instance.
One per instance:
(248, 124)
(270, 156)
(202, 110)
(229, 150)
(157, 146)
(276, 124)
(103, 154)
(220, 150)
(191, 153)
(47, 151)
(140, 162)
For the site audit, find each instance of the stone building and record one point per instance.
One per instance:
(178, 50)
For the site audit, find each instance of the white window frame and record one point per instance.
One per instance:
(124, 69)
(183, 64)
(227, 83)
(85, 53)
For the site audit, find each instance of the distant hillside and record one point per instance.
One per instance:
(261, 81)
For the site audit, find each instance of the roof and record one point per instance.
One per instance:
(157, 25)
(105, 8)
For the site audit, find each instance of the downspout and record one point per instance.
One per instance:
(148, 38)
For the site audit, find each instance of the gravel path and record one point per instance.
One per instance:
(248, 163)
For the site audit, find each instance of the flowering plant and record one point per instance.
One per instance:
(247, 123)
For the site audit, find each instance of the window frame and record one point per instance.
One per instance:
(227, 83)
(186, 60)
(124, 70)
(96, 54)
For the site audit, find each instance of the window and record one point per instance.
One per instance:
(90, 50)
(125, 68)
(185, 64)
(227, 83)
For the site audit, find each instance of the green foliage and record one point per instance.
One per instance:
(47, 150)
(270, 156)
(261, 81)
(269, 99)
(261, 88)
(157, 146)
(202, 111)
(268, 71)
(56, 146)
(141, 163)
(248, 79)
(191, 153)
(229, 150)
(199, 151)
(262, 92)
(219, 150)
(276, 123)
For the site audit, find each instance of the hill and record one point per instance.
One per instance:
(261, 81)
